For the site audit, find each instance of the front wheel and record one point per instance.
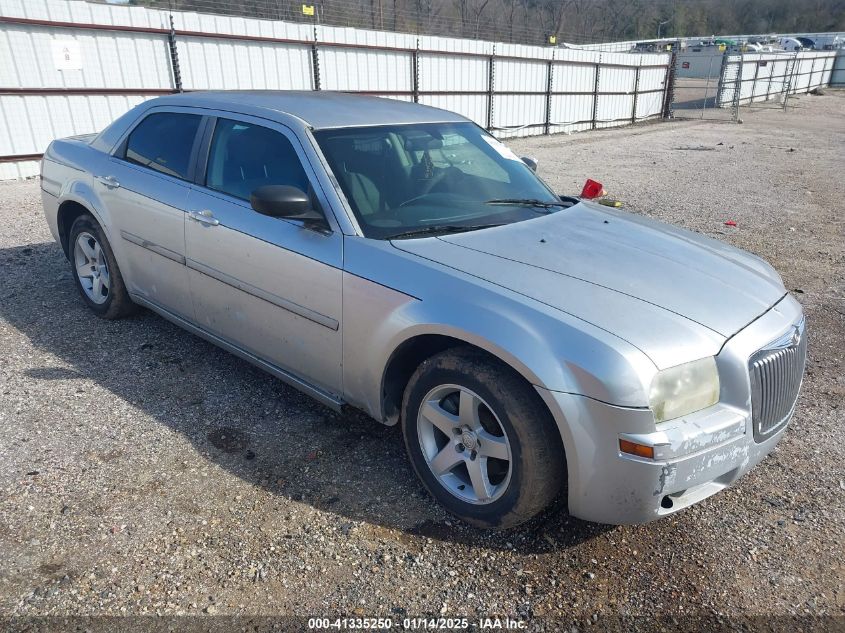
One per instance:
(481, 440)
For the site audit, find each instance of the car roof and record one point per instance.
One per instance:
(318, 109)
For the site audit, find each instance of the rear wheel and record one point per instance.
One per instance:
(96, 272)
(481, 440)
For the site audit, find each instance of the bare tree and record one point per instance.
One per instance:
(477, 10)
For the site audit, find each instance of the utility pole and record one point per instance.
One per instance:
(660, 25)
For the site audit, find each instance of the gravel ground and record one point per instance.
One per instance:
(143, 471)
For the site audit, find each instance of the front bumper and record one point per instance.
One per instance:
(694, 456)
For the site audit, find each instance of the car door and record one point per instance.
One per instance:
(268, 285)
(145, 189)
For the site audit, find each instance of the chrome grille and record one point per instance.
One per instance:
(776, 373)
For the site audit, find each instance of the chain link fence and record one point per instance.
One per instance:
(714, 85)
(418, 17)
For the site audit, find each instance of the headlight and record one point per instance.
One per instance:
(684, 388)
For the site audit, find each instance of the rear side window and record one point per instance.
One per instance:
(244, 157)
(163, 141)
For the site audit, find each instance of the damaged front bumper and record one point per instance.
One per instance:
(695, 456)
(700, 456)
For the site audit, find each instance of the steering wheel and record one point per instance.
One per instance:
(431, 183)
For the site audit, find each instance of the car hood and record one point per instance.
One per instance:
(664, 289)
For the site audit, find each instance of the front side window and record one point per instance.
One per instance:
(163, 141)
(244, 157)
(408, 179)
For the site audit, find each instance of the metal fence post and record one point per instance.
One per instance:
(669, 97)
(315, 61)
(812, 72)
(549, 75)
(754, 83)
(415, 72)
(707, 86)
(738, 88)
(795, 64)
(174, 57)
(491, 76)
(721, 86)
(596, 95)
(771, 75)
(636, 95)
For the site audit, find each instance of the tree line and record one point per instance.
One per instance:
(534, 21)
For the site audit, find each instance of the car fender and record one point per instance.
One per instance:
(550, 349)
(82, 193)
(68, 168)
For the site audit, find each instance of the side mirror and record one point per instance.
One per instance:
(531, 162)
(283, 201)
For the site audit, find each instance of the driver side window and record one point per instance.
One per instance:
(244, 157)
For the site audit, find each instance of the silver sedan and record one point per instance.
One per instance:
(398, 259)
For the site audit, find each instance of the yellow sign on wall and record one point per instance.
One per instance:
(308, 9)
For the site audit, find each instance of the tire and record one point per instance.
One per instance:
(96, 272)
(514, 448)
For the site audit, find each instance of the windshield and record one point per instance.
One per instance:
(416, 180)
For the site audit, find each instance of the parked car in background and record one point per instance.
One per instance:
(398, 259)
(791, 44)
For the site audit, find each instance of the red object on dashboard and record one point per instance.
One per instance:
(592, 189)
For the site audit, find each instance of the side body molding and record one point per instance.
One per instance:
(155, 248)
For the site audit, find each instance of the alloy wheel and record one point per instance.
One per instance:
(464, 444)
(91, 267)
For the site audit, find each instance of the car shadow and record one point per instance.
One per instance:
(241, 418)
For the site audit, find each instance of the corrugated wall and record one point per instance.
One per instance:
(120, 55)
(38, 102)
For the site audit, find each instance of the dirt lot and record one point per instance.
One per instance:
(143, 471)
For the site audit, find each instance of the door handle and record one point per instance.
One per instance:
(109, 181)
(204, 217)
